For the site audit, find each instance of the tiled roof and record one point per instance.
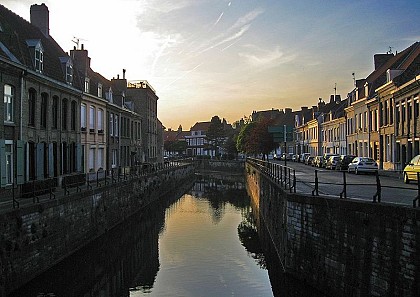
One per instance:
(15, 31)
(400, 61)
(200, 126)
(174, 135)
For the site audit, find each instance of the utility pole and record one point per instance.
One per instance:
(285, 146)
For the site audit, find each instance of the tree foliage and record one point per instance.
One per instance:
(254, 138)
(215, 134)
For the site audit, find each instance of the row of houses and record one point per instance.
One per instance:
(60, 117)
(379, 118)
(196, 140)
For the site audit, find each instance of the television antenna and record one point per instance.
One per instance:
(77, 40)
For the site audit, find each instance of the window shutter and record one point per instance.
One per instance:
(78, 157)
(20, 162)
(3, 162)
(39, 161)
(51, 160)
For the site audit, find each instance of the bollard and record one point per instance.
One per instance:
(417, 199)
(316, 190)
(377, 196)
(344, 192)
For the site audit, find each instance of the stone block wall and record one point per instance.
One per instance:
(343, 247)
(35, 238)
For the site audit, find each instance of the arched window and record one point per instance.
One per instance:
(44, 108)
(55, 112)
(9, 98)
(31, 106)
(73, 116)
(64, 115)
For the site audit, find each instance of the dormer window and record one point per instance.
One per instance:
(87, 85)
(100, 90)
(67, 67)
(37, 53)
(109, 96)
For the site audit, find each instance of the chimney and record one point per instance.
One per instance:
(40, 18)
(123, 73)
(332, 99)
(288, 110)
(381, 59)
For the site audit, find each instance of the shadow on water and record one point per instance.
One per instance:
(126, 258)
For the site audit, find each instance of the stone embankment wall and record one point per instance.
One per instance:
(35, 238)
(342, 247)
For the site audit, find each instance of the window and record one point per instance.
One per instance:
(111, 124)
(87, 85)
(9, 98)
(92, 119)
(37, 53)
(9, 161)
(69, 73)
(39, 58)
(116, 129)
(55, 112)
(100, 90)
(64, 115)
(100, 157)
(73, 116)
(31, 106)
(44, 106)
(114, 158)
(100, 120)
(83, 117)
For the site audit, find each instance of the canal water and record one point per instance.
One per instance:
(204, 243)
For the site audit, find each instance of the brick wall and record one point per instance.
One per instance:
(343, 247)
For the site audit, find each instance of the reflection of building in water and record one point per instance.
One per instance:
(124, 259)
(217, 181)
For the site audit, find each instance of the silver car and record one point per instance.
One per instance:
(363, 164)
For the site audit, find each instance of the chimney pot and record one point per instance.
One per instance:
(123, 73)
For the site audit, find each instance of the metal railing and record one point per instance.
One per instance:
(283, 175)
(286, 177)
(79, 182)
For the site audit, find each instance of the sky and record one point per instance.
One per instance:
(230, 58)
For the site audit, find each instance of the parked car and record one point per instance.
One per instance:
(309, 160)
(332, 162)
(294, 158)
(363, 164)
(325, 158)
(318, 161)
(303, 157)
(345, 160)
(411, 169)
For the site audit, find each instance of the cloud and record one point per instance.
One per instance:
(265, 58)
(248, 18)
(237, 30)
(218, 20)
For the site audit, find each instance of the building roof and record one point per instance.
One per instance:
(16, 32)
(200, 126)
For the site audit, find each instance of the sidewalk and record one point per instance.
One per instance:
(391, 173)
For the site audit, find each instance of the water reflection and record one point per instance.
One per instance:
(205, 243)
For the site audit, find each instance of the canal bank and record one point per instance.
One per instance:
(343, 247)
(36, 237)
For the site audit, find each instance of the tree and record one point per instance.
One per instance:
(215, 134)
(254, 138)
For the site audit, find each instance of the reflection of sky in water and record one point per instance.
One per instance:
(202, 256)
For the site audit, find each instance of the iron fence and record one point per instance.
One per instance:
(286, 177)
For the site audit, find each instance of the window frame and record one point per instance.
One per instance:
(9, 99)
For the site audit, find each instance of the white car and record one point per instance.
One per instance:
(363, 164)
